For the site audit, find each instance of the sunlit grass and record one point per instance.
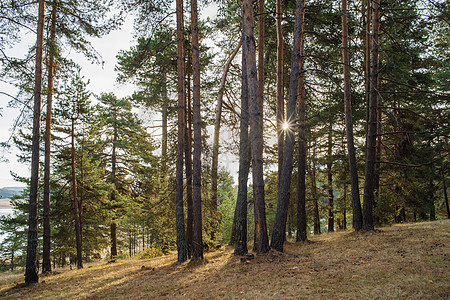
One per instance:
(407, 261)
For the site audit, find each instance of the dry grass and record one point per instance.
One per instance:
(408, 261)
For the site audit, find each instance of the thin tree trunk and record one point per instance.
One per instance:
(280, 88)
(344, 221)
(256, 132)
(31, 275)
(217, 124)
(197, 246)
(46, 262)
(179, 213)
(75, 202)
(367, 19)
(164, 124)
(356, 202)
(301, 179)
(369, 171)
(278, 235)
(314, 193)
(330, 180)
(444, 185)
(240, 244)
(113, 193)
(188, 164)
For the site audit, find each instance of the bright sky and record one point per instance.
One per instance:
(102, 79)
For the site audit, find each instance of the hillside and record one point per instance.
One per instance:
(8, 192)
(409, 261)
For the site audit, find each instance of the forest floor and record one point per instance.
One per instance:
(408, 261)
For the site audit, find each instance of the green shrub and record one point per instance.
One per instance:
(149, 253)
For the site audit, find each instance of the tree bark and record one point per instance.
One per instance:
(75, 201)
(278, 235)
(314, 194)
(301, 177)
(280, 88)
(240, 244)
(369, 171)
(197, 246)
(444, 185)
(114, 181)
(356, 202)
(330, 180)
(188, 162)
(179, 213)
(217, 125)
(256, 132)
(46, 262)
(31, 275)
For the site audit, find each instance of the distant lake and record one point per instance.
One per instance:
(4, 212)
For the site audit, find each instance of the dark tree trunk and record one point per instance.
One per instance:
(217, 124)
(233, 228)
(356, 202)
(344, 213)
(179, 213)
(240, 244)
(46, 262)
(369, 172)
(31, 275)
(278, 235)
(432, 207)
(280, 89)
(188, 165)
(113, 193)
(314, 193)
(164, 124)
(301, 179)
(256, 132)
(197, 246)
(444, 185)
(75, 202)
(330, 178)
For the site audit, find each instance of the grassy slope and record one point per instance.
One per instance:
(408, 261)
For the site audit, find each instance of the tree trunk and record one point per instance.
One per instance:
(113, 193)
(75, 202)
(179, 213)
(197, 246)
(356, 202)
(278, 235)
(188, 164)
(164, 124)
(369, 171)
(240, 244)
(301, 179)
(314, 193)
(330, 180)
(280, 88)
(217, 124)
(444, 185)
(256, 132)
(31, 275)
(46, 262)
